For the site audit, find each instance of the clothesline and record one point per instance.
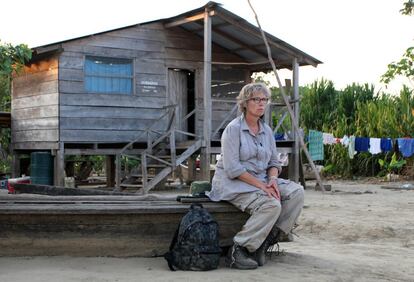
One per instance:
(317, 139)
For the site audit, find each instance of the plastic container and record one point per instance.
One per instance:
(12, 181)
(41, 168)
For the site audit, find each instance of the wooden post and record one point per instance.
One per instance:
(60, 165)
(191, 162)
(118, 171)
(296, 145)
(110, 171)
(15, 165)
(206, 149)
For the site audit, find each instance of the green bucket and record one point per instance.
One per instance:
(41, 168)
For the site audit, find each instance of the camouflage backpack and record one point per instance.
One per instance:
(195, 245)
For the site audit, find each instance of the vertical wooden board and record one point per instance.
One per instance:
(177, 95)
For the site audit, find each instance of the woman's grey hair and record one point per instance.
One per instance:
(247, 92)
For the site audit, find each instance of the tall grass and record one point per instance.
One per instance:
(356, 110)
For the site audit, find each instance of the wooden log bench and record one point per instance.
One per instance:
(118, 226)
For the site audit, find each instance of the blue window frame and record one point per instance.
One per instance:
(108, 75)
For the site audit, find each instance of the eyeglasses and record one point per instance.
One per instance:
(257, 100)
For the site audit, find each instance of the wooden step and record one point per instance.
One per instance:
(184, 144)
(124, 185)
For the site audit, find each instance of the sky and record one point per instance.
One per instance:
(355, 39)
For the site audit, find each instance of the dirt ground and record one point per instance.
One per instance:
(356, 232)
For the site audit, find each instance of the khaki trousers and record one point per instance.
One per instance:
(267, 213)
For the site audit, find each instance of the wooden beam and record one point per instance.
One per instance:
(187, 20)
(205, 150)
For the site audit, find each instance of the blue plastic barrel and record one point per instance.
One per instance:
(41, 168)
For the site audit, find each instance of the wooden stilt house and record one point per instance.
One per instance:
(158, 92)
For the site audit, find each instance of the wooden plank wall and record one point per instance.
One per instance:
(88, 117)
(39, 123)
(106, 118)
(35, 106)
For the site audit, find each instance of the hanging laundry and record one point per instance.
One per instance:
(316, 145)
(328, 138)
(361, 144)
(375, 145)
(351, 147)
(406, 146)
(386, 144)
(279, 136)
(345, 140)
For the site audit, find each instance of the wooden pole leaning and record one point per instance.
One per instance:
(286, 100)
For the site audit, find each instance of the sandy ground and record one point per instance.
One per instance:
(357, 232)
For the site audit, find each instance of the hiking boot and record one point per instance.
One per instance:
(237, 257)
(260, 254)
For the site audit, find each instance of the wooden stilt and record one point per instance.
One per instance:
(110, 171)
(16, 165)
(206, 149)
(60, 165)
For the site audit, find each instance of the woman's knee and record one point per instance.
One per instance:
(298, 195)
(272, 206)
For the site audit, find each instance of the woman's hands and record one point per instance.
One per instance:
(272, 189)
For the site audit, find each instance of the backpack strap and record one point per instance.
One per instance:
(168, 255)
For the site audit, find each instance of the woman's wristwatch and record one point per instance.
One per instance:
(273, 177)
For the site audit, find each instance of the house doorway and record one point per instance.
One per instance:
(181, 92)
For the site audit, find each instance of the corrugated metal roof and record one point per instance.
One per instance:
(231, 32)
(242, 38)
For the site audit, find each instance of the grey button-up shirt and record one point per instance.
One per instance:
(243, 151)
